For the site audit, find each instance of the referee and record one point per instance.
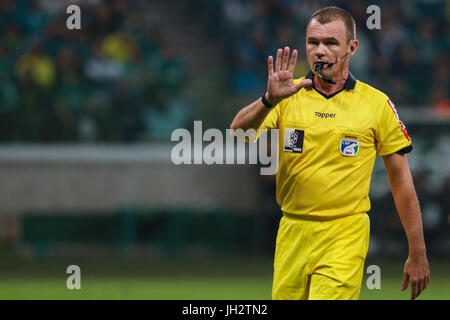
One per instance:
(331, 128)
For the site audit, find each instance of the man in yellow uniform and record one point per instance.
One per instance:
(331, 127)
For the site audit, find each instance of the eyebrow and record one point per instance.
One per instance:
(333, 39)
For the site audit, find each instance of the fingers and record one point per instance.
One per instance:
(426, 282)
(278, 61)
(414, 289)
(417, 287)
(422, 284)
(285, 58)
(303, 83)
(270, 65)
(282, 60)
(405, 282)
(293, 61)
(420, 287)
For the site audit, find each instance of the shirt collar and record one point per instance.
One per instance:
(349, 83)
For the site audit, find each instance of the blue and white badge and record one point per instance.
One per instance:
(349, 148)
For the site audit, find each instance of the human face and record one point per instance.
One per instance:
(327, 43)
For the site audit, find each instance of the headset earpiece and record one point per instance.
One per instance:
(350, 50)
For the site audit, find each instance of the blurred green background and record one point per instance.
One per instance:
(222, 278)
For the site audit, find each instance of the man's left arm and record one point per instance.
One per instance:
(416, 267)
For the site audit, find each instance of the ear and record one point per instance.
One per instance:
(352, 48)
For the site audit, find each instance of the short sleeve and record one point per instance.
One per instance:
(271, 122)
(391, 134)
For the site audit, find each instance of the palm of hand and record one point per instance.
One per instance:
(280, 83)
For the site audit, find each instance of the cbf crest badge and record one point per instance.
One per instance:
(349, 148)
(293, 140)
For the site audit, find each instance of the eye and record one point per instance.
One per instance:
(331, 43)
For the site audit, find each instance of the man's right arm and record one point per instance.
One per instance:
(251, 116)
(280, 85)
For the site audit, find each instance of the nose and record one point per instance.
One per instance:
(320, 51)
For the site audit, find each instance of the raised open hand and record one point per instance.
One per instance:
(280, 83)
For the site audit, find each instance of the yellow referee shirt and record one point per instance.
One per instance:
(328, 144)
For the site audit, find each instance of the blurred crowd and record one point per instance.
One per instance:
(117, 79)
(407, 58)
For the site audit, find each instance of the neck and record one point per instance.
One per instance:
(329, 88)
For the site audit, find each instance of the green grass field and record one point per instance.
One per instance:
(180, 279)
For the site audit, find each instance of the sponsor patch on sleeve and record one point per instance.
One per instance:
(403, 127)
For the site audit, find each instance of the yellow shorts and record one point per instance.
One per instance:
(320, 259)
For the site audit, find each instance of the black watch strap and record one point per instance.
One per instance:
(265, 102)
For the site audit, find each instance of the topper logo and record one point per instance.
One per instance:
(325, 115)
